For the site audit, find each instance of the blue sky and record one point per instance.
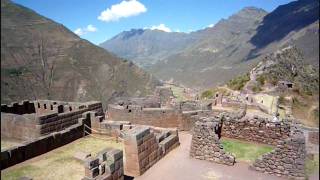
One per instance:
(86, 18)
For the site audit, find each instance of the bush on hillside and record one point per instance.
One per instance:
(256, 88)
(239, 82)
(207, 94)
(261, 79)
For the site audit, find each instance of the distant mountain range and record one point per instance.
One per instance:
(212, 56)
(41, 59)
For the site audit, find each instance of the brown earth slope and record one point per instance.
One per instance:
(42, 59)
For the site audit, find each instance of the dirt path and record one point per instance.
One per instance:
(178, 165)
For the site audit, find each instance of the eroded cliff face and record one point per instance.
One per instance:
(41, 59)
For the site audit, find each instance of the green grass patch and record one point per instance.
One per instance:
(207, 94)
(59, 163)
(312, 164)
(245, 151)
(178, 92)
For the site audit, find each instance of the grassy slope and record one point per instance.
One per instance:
(59, 163)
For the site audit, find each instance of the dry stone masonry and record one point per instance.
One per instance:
(258, 129)
(108, 165)
(143, 148)
(205, 143)
(288, 159)
(29, 120)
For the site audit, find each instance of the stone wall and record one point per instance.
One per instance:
(46, 119)
(41, 145)
(17, 126)
(160, 117)
(205, 144)
(257, 129)
(165, 95)
(24, 107)
(288, 159)
(142, 148)
(313, 137)
(50, 106)
(108, 165)
(190, 117)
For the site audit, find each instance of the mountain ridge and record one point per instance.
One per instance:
(43, 59)
(229, 47)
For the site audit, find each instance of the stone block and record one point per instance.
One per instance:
(91, 173)
(91, 162)
(114, 155)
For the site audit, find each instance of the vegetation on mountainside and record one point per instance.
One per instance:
(207, 94)
(45, 60)
(245, 151)
(15, 71)
(256, 88)
(261, 79)
(239, 82)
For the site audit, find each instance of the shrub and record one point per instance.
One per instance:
(207, 94)
(256, 88)
(261, 79)
(239, 82)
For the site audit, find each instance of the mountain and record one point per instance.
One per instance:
(287, 65)
(233, 46)
(218, 56)
(41, 59)
(145, 47)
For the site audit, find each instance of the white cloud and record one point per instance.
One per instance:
(210, 25)
(91, 28)
(122, 10)
(82, 31)
(161, 27)
(79, 31)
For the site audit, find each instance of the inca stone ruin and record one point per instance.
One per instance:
(149, 129)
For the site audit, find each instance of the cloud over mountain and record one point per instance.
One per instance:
(82, 31)
(122, 10)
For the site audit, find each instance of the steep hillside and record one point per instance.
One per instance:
(285, 19)
(233, 46)
(145, 47)
(222, 50)
(288, 65)
(43, 59)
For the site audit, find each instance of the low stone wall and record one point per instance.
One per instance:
(258, 129)
(288, 159)
(108, 165)
(41, 145)
(160, 117)
(142, 149)
(205, 144)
